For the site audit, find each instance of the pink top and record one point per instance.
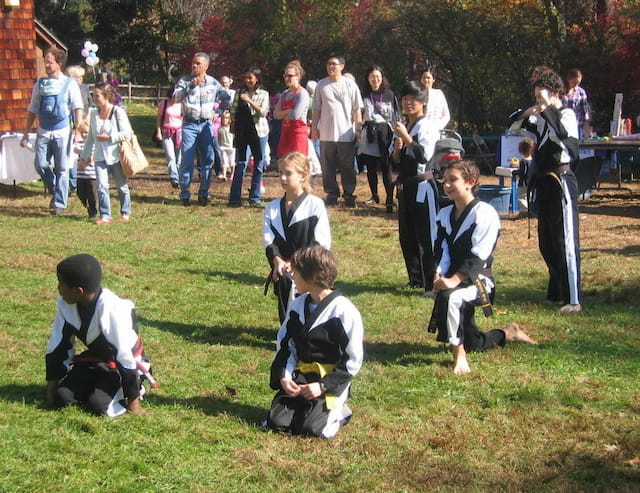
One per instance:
(173, 117)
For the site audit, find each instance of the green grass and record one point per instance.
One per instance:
(561, 416)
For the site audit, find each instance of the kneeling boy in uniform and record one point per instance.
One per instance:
(107, 377)
(319, 351)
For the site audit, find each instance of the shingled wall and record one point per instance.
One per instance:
(17, 65)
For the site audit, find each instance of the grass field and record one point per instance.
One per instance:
(560, 416)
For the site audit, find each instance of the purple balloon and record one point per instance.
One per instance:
(84, 52)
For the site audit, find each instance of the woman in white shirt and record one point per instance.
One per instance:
(109, 126)
(437, 109)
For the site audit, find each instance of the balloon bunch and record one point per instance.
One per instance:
(89, 53)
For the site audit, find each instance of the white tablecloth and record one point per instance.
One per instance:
(16, 163)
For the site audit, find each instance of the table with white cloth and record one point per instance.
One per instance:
(17, 162)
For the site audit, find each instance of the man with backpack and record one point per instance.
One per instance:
(55, 98)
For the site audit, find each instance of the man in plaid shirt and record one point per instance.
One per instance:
(576, 99)
(198, 93)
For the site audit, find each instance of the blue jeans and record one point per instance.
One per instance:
(173, 155)
(258, 150)
(196, 137)
(102, 180)
(56, 181)
(73, 179)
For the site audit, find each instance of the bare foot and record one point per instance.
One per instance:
(513, 332)
(460, 364)
(566, 309)
(461, 367)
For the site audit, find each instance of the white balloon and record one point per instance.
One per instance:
(91, 61)
(94, 47)
(87, 45)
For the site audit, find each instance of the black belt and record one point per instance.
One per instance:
(197, 120)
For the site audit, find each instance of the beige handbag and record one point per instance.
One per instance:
(132, 159)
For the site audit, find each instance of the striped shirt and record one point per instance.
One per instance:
(199, 102)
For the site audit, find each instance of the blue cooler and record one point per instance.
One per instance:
(499, 197)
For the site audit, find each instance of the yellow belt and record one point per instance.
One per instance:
(321, 369)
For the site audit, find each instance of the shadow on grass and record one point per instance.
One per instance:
(594, 352)
(366, 211)
(622, 205)
(42, 212)
(19, 192)
(352, 289)
(621, 291)
(213, 405)
(27, 212)
(346, 288)
(598, 473)
(31, 394)
(156, 199)
(246, 278)
(402, 353)
(229, 336)
(627, 251)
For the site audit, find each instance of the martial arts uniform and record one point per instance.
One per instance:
(555, 190)
(466, 245)
(417, 206)
(108, 374)
(306, 224)
(323, 344)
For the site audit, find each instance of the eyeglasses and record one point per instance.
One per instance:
(333, 64)
(286, 76)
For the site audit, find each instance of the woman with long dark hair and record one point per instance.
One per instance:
(437, 110)
(380, 116)
(251, 130)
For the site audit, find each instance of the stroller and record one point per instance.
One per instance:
(449, 147)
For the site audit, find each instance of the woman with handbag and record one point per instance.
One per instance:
(109, 126)
(168, 133)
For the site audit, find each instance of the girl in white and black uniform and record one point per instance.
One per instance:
(556, 188)
(319, 351)
(297, 220)
(417, 190)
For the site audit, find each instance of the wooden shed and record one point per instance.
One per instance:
(22, 42)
